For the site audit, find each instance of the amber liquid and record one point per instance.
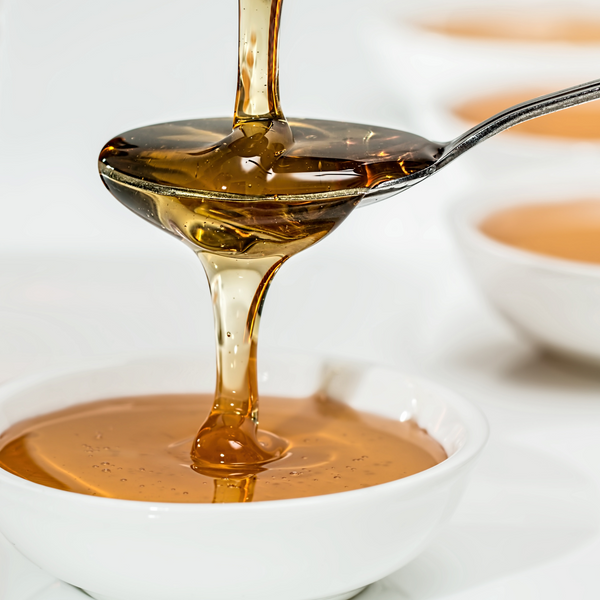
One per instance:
(578, 123)
(138, 449)
(521, 26)
(568, 230)
(245, 196)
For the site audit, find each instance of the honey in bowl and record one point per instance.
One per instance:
(566, 230)
(138, 448)
(577, 123)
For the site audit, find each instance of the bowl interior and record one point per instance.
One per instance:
(542, 186)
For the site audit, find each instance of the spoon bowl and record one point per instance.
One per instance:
(370, 176)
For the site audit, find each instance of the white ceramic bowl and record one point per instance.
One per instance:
(554, 303)
(305, 549)
(421, 67)
(514, 153)
(430, 73)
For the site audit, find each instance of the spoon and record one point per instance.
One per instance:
(510, 117)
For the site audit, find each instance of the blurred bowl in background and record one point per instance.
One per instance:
(423, 43)
(447, 55)
(566, 139)
(553, 302)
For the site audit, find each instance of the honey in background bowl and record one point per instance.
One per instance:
(569, 230)
(563, 28)
(520, 26)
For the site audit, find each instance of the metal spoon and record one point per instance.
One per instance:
(525, 111)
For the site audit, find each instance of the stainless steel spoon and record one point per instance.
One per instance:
(525, 111)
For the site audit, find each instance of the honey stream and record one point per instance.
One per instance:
(245, 196)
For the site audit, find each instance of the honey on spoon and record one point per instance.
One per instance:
(245, 198)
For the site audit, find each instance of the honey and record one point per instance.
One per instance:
(245, 194)
(138, 449)
(544, 26)
(567, 230)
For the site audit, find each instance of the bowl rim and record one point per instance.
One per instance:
(471, 416)
(466, 213)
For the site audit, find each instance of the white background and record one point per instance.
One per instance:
(81, 277)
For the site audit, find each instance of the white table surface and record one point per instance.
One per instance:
(528, 526)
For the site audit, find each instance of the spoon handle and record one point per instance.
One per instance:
(530, 109)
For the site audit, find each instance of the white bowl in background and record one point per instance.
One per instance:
(554, 303)
(304, 549)
(428, 73)
(512, 153)
(421, 66)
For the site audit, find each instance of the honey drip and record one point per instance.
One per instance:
(138, 449)
(246, 196)
(568, 230)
